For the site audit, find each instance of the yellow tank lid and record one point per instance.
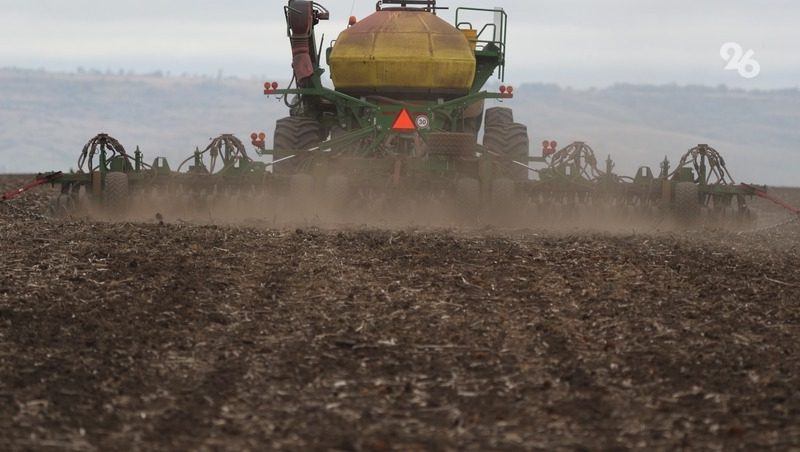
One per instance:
(403, 53)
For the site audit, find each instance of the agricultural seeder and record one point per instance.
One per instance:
(402, 123)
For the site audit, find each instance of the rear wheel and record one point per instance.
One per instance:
(294, 134)
(511, 142)
(499, 116)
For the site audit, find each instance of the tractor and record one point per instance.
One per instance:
(406, 110)
(406, 118)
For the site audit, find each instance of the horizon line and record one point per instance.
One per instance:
(220, 76)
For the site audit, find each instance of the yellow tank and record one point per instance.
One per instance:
(403, 53)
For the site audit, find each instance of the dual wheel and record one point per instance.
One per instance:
(687, 206)
(114, 201)
(509, 140)
(294, 134)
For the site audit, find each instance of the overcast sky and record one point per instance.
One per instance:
(579, 43)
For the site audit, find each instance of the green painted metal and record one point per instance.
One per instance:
(490, 53)
(370, 152)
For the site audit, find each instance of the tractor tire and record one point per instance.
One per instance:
(494, 139)
(498, 116)
(512, 143)
(115, 193)
(687, 203)
(517, 142)
(294, 134)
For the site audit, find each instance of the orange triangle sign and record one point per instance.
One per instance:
(404, 123)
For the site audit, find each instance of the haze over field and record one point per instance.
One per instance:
(632, 67)
(45, 119)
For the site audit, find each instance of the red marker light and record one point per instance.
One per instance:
(404, 123)
(267, 86)
(262, 136)
(353, 20)
(510, 90)
(554, 145)
(254, 136)
(503, 89)
(545, 144)
(274, 85)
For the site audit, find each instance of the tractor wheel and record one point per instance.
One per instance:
(293, 134)
(115, 193)
(498, 116)
(687, 203)
(511, 142)
(494, 139)
(518, 142)
(468, 199)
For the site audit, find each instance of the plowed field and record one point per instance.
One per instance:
(174, 335)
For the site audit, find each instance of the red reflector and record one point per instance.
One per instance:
(404, 122)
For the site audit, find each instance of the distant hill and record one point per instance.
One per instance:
(46, 118)
(758, 132)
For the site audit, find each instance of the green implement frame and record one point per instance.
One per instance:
(425, 145)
